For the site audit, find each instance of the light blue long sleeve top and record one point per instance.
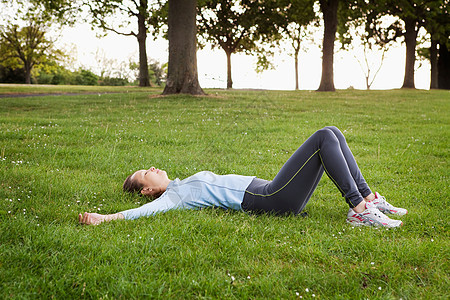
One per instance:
(204, 189)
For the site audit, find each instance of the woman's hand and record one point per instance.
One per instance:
(91, 218)
(96, 219)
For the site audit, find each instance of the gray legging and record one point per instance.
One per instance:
(290, 190)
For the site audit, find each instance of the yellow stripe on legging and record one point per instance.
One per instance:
(289, 179)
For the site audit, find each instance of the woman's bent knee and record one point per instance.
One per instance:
(336, 131)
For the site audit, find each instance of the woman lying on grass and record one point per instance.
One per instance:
(290, 190)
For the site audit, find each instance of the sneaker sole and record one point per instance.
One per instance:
(359, 223)
(396, 213)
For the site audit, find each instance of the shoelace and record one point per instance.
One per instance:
(377, 213)
(382, 200)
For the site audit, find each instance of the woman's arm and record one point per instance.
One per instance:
(95, 219)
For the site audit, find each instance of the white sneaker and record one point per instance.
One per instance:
(387, 208)
(371, 217)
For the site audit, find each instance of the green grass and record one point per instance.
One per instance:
(17, 89)
(62, 155)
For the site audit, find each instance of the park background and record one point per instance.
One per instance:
(113, 54)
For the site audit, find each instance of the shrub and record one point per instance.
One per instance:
(85, 77)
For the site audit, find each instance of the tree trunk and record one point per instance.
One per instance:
(329, 10)
(28, 68)
(229, 79)
(410, 40)
(433, 62)
(143, 62)
(444, 67)
(182, 74)
(296, 68)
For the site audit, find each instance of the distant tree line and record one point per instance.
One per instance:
(254, 27)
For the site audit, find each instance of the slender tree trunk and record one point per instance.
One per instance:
(229, 79)
(444, 67)
(410, 40)
(296, 68)
(434, 64)
(329, 10)
(143, 62)
(182, 74)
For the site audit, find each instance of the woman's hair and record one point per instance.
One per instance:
(132, 186)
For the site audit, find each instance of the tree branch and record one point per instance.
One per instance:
(379, 68)
(104, 26)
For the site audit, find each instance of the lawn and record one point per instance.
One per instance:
(61, 155)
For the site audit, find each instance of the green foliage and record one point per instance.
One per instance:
(113, 81)
(432, 14)
(11, 75)
(437, 21)
(240, 26)
(53, 73)
(157, 72)
(237, 26)
(63, 155)
(56, 11)
(26, 47)
(85, 77)
(24, 41)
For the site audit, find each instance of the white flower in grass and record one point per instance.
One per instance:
(307, 290)
(379, 288)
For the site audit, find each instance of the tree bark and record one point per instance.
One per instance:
(329, 10)
(433, 62)
(410, 40)
(144, 79)
(229, 79)
(296, 68)
(27, 74)
(444, 67)
(182, 74)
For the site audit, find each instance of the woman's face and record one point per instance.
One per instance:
(151, 178)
